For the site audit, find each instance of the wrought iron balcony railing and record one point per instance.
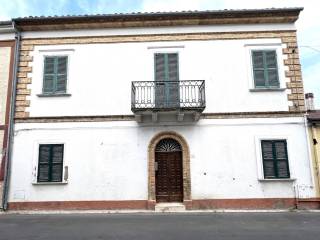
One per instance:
(168, 95)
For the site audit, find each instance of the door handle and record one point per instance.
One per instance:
(156, 166)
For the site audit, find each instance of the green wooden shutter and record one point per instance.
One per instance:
(49, 75)
(50, 165)
(173, 72)
(268, 161)
(160, 77)
(44, 163)
(62, 63)
(160, 71)
(55, 74)
(57, 163)
(258, 69)
(275, 159)
(271, 68)
(265, 69)
(281, 154)
(173, 85)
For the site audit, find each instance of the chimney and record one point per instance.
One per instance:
(309, 101)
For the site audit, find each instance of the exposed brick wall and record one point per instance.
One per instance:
(296, 97)
(5, 53)
(23, 84)
(290, 51)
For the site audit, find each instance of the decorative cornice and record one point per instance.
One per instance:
(243, 16)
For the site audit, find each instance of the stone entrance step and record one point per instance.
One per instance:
(170, 207)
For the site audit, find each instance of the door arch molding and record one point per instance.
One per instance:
(185, 164)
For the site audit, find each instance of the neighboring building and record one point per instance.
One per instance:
(6, 69)
(314, 135)
(131, 110)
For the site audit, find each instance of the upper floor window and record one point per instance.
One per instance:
(275, 159)
(55, 74)
(50, 164)
(265, 68)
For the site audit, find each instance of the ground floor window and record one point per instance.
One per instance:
(50, 164)
(275, 159)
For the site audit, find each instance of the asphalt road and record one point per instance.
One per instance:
(244, 226)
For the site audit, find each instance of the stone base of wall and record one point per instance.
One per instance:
(79, 205)
(255, 203)
(203, 204)
(310, 203)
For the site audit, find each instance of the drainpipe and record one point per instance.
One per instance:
(11, 119)
(309, 149)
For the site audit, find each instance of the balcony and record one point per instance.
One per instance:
(178, 98)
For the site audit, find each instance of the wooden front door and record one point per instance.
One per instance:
(169, 181)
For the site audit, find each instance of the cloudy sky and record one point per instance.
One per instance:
(308, 25)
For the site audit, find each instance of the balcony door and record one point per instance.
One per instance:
(166, 80)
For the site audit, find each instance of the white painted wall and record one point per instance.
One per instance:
(108, 160)
(100, 76)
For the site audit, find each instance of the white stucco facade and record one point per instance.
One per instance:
(103, 86)
(108, 160)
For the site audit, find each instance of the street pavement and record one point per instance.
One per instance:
(244, 226)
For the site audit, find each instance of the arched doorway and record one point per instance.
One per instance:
(168, 171)
(185, 166)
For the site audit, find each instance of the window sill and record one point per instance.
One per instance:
(267, 89)
(278, 180)
(49, 183)
(54, 95)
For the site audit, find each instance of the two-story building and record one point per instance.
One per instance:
(200, 109)
(7, 46)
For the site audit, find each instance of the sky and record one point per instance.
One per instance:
(308, 24)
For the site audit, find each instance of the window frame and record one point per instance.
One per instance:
(50, 163)
(35, 169)
(55, 79)
(267, 45)
(265, 69)
(275, 160)
(259, 158)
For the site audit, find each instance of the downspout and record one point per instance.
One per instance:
(309, 150)
(11, 119)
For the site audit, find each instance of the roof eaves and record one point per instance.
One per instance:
(160, 14)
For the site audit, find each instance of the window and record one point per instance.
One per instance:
(275, 159)
(50, 164)
(265, 68)
(55, 74)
